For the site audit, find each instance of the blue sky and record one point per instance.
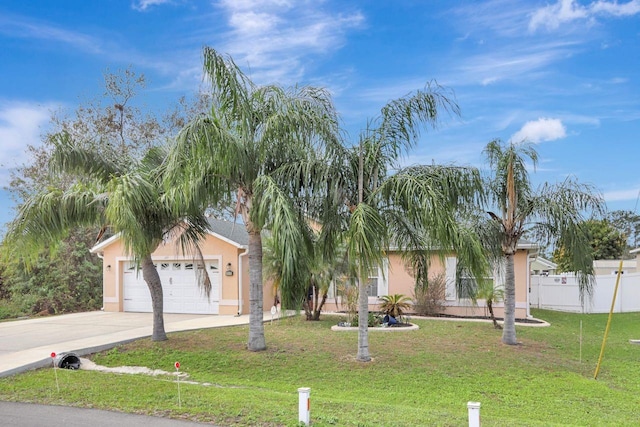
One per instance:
(564, 75)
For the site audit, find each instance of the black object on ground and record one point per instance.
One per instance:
(67, 361)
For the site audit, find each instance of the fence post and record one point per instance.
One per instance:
(304, 405)
(474, 414)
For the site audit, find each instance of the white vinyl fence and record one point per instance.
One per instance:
(562, 293)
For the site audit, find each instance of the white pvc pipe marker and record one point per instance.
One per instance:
(304, 405)
(474, 414)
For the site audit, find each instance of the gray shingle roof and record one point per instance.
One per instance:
(233, 231)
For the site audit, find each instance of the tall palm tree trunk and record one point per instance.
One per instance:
(509, 331)
(363, 321)
(152, 279)
(363, 298)
(257, 340)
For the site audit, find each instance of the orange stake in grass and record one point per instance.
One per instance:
(55, 370)
(177, 365)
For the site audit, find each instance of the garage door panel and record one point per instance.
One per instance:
(180, 290)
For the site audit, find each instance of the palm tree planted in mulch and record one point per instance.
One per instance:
(395, 305)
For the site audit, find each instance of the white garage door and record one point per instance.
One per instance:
(179, 287)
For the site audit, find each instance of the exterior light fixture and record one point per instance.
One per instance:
(109, 267)
(228, 271)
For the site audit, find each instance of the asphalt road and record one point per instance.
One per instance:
(14, 414)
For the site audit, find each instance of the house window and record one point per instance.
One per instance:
(461, 285)
(468, 286)
(177, 266)
(377, 283)
(188, 266)
(164, 266)
(372, 283)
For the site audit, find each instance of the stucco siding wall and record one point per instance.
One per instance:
(111, 268)
(521, 270)
(212, 248)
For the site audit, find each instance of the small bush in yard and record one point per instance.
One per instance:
(428, 298)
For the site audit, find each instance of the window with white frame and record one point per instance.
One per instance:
(461, 285)
(372, 283)
(377, 282)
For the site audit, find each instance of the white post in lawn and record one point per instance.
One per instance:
(474, 414)
(304, 405)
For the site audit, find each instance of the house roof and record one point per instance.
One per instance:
(614, 263)
(526, 244)
(231, 232)
(543, 263)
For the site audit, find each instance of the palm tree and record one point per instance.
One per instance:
(240, 152)
(316, 270)
(487, 291)
(395, 305)
(114, 191)
(415, 207)
(552, 214)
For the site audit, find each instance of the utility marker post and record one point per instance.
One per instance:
(474, 414)
(55, 370)
(177, 366)
(304, 405)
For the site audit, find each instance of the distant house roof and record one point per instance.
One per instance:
(231, 232)
(543, 264)
(614, 263)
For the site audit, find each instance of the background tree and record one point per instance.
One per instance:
(605, 240)
(628, 223)
(551, 213)
(241, 151)
(68, 281)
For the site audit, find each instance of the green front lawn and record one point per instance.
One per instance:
(417, 378)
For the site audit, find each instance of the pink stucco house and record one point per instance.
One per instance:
(226, 262)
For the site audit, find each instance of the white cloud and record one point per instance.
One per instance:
(272, 37)
(21, 124)
(20, 27)
(512, 62)
(540, 130)
(616, 9)
(621, 195)
(143, 5)
(566, 11)
(105, 47)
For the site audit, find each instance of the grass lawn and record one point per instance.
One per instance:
(417, 378)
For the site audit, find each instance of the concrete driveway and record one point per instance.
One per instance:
(28, 344)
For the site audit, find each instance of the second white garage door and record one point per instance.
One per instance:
(180, 290)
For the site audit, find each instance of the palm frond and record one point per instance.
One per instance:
(45, 218)
(75, 159)
(367, 238)
(401, 119)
